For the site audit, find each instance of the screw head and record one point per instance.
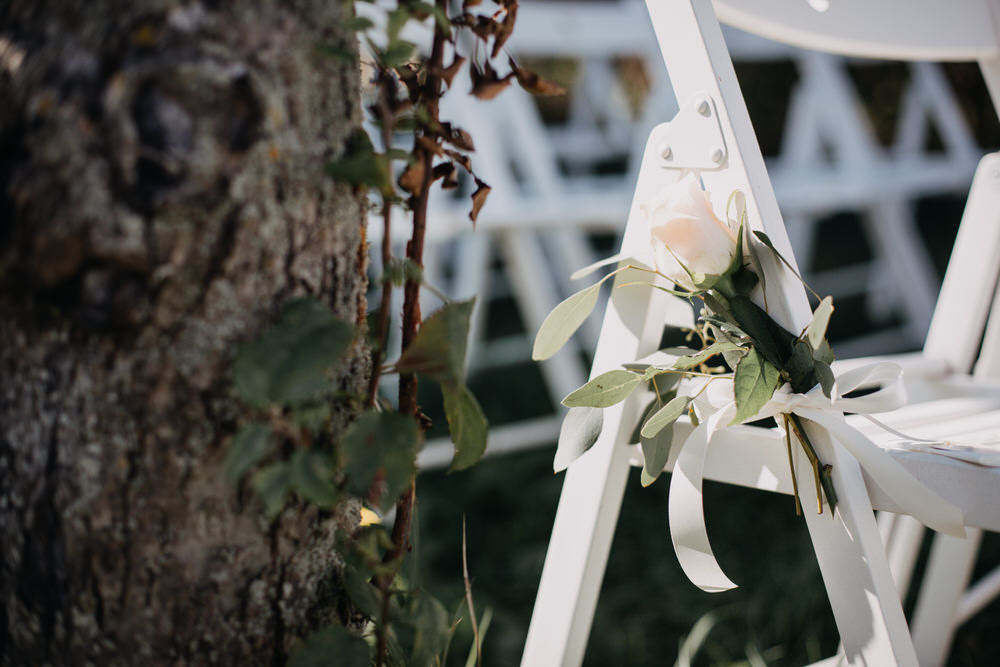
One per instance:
(717, 156)
(704, 109)
(666, 152)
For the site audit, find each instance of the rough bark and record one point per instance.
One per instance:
(161, 196)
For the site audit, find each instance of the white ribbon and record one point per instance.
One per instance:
(685, 509)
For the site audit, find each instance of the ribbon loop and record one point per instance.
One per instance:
(686, 509)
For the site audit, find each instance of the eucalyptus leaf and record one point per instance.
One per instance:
(604, 391)
(655, 452)
(563, 322)
(334, 644)
(664, 383)
(251, 444)
(647, 412)
(378, 453)
(824, 353)
(272, 485)
(825, 376)
(438, 351)
(665, 416)
(753, 385)
(816, 331)
(467, 425)
(690, 361)
(578, 433)
(607, 261)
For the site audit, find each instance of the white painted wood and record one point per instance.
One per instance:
(899, 30)
(949, 569)
(592, 492)
(964, 301)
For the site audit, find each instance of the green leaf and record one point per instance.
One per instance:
(361, 592)
(665, 416)
(467, 425)
(312, 477)
(361, 166)
(816, 331)
(563, 322)
(578, 433)
(438, 351)
(824, 353)
(337, 53)
(663, 383)
(770, 339)
(333, 645)
(290, 362)
(690, 361)
(647, 412)
(753, 385)
(800, 368)
(825, 376)
(431, 626)
(396, 53)
(655, 452)
(607, 261)
(272, 485)
(379, 452)
(311, 416)
(356, 24)
(401, 270)
(603, 391)
(251, 444)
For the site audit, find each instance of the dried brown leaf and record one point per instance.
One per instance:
(428, 144)
(448, 172)
(449, 72)
(412, 178)
(457, 137)
(471, 3)
(506, 28)
(534, 83)
(478, 199)
(486, 84)
(460, 158)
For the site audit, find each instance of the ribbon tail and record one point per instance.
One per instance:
(905, 489)
(687, 515)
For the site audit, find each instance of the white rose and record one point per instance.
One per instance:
(685, 232)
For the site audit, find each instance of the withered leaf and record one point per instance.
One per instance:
(457, 137)
(471, 3)
(534, 83)
(448, 172)
(478, 199)
(449, 72)
(460, 158)
(484, 27)
(506, 27)
(412, 178)
(486, 84)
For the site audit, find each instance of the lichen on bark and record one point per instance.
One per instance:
(161, 196)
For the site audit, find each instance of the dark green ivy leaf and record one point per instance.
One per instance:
(466, 423)
(800, 366)
(333, 646)
(770, 339)
(272, 485)
(438, 351)
(290, 363)
(379, 452)
(361, 166)
(312, 477)
(251, 444)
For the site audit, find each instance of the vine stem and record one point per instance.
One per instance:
(411, 316)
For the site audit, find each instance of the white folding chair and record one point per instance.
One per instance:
(852, 559)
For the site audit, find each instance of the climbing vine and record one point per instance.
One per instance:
(284, 447)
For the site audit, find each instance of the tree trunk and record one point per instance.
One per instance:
(161, 196)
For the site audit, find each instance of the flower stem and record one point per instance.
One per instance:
(821, 475)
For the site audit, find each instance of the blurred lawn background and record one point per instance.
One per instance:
(779, 615)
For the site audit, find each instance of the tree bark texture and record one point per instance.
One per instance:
(161, 197)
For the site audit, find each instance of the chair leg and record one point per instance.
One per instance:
(947, 577)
